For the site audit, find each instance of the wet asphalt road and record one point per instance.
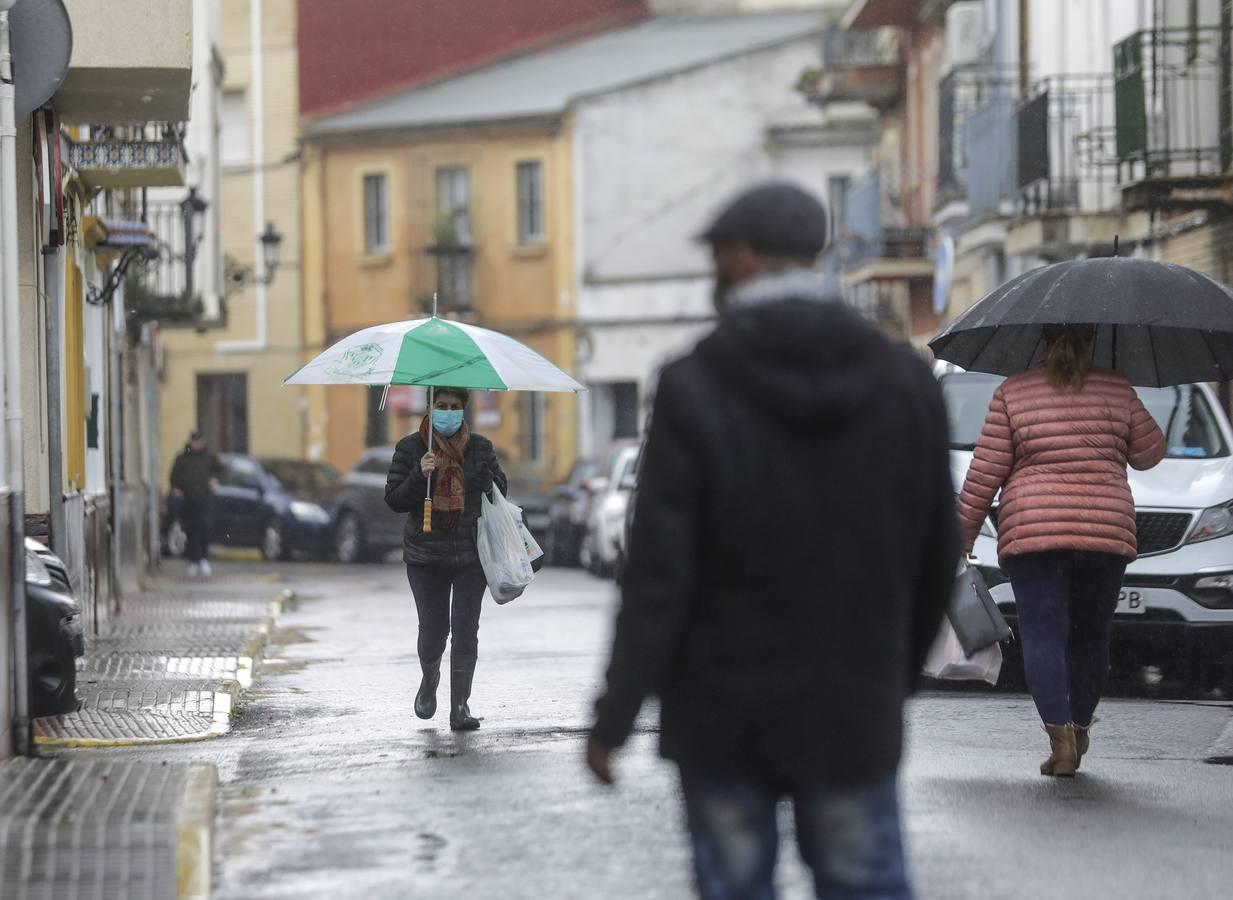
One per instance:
(331, 788)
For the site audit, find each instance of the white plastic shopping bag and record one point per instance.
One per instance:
(948, 662)
(534, 551)
(502, 550)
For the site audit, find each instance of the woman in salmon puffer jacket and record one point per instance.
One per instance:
(1056, 443)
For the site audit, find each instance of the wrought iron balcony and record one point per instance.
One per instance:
(454, 255)
(966, 93)
(164, 287)
(149, 154)
(858, 66)
(1066, 159)
(875, 227)
(1174, 116)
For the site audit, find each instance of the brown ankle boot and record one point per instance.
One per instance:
(1083, 742)
(1063, 761)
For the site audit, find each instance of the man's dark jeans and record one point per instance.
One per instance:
(1065, 601)
(196, 515)
(850, 838)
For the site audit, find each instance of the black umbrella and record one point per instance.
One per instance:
(1157, 323)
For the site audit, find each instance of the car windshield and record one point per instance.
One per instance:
(1183, 413)
(301, 477)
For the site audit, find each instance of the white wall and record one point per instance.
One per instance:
(656, 161)
(203, 172)
(653, 164)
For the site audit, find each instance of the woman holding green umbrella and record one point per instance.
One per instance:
(443, 469)
(443, 565)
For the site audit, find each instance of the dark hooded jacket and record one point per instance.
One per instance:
(406, 487)
(192, 472)
(792, 552)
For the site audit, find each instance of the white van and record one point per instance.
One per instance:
(1176, 609)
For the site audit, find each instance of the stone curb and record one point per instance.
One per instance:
(194, 834)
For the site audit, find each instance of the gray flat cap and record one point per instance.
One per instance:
(778, 218)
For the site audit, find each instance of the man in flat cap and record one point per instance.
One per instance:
(790, 560)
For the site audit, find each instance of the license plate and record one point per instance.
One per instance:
(1131, 602)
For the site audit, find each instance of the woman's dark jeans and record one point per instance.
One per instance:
(1065, 600)
(432, 586)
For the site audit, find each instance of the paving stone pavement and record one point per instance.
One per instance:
(105, 829)
(171, 669)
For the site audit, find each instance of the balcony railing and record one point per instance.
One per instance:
(1173, 115)
(858, 66)
(148, 154)
(875, 225)
(963, 93)
(1066, 158)
(159, 288)
(991, 156)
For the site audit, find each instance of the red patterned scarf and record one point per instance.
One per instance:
(449, 487)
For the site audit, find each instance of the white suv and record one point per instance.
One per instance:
(1176, 609)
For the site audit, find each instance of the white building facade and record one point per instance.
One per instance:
(653, 163)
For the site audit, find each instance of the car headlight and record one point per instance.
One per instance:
(36, 571)
(310, 512)
(1213, 523)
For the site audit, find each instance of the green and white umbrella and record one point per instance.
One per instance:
(434, 353)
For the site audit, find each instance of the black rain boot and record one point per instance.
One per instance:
(462, 671)
(426, 696)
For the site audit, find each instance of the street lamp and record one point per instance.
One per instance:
(239, 276)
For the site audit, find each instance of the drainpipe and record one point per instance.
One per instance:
(53, 270)
(14, 455)
(256, 91)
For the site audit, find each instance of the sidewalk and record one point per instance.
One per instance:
(172, 669)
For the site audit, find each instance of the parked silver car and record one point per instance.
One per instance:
(606, 518)
(366, 529)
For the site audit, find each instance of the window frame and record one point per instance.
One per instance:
(529, 203)
(227, 124)
(383, 246)
(449, 176)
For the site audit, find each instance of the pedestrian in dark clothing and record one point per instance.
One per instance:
(1056, 444)
(443, 563)
(791, 557)
(194, 476)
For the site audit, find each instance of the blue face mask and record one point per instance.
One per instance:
(447, 421)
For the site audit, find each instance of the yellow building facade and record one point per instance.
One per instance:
(480, 216)
(227, 379)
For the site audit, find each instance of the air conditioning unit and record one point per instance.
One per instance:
(966, 36)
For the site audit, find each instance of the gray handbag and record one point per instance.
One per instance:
(974, 614)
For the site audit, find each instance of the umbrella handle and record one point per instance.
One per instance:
(428, 516)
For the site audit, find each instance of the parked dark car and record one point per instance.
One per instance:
(279, 506)
(55, 633)
(367, 529)
(570, 503)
